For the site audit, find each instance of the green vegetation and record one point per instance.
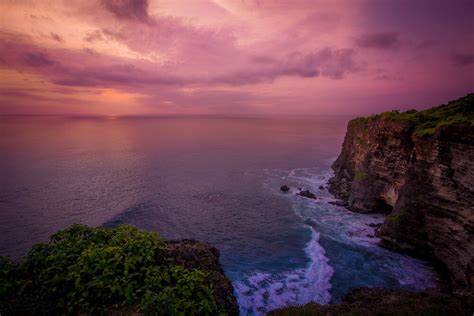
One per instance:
(360, 175)
(397, 218)
(104, 270)
(425, 123)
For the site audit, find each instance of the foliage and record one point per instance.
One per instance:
(425, 123)
(360, 175)
(398, 217)
(98, 270)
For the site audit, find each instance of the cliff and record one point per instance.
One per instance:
(116, 271)
(418, 167)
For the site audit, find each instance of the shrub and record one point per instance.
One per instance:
(99, 270)
(360, 175)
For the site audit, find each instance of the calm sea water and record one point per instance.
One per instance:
(212, 179)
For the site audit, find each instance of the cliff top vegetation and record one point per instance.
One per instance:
(102, 271)
(457, 112)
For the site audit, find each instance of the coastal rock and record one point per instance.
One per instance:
(284, 188)
(307, 194)
(424, 180)
(192, 254)
(321, 187)
(374, 224)
(375, 301)
(339, 203)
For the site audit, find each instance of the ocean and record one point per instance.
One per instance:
(214, 179)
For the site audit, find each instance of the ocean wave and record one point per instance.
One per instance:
(349, 238)
(356, 231)
(261, 292)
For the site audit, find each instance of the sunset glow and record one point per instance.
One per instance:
(233, 56)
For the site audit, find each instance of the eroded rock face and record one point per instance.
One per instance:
(372, 166)
(426, 183)
(434, 213)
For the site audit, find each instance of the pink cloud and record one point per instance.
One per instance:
(304, 56)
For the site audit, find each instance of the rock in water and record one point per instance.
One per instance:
(307, 194)
(285, 188)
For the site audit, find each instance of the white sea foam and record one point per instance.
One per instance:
(354, 228)
(261, 292)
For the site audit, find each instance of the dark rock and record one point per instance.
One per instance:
(376, 301)
(299, 189)
(339, 203)
(307, 194)
(370, 236)
(285, 188)
(374, 224)
(321, 187)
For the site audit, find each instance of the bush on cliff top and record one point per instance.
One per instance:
(101, 270)
(458, 112)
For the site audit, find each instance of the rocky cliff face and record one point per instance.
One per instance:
(424, 179)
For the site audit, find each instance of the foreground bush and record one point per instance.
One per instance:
(104, 270)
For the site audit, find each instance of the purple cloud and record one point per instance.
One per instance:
(89, 69)
(463, 59)
(331, 63)
(128, 9)
(383, 40)
(37, 59)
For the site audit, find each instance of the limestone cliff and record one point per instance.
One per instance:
(419, 168)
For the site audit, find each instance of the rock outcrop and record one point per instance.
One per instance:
(193, 254)
(366, 301)
(418, 167)
(307, 194)
(284, 188)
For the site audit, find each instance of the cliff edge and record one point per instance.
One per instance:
(417, 167)
(116, 271)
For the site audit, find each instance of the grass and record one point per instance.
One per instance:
(425, 123)
(84, 270)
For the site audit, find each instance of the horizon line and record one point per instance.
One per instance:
(118, 116)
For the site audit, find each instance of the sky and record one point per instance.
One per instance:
(233, 57)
